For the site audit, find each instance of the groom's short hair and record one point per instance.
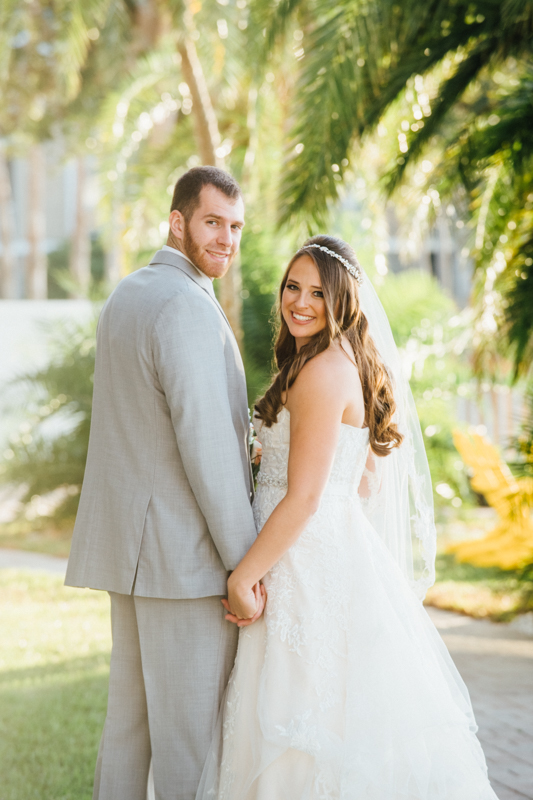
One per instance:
(186, 197)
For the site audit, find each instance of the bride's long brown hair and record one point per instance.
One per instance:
(343, 318)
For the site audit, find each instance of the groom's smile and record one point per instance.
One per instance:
(219, 257)
(212, 235)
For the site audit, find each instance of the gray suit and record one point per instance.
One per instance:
(164, 515)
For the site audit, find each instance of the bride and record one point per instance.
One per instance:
(343, 689)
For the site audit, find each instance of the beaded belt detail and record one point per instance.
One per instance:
(270, 480)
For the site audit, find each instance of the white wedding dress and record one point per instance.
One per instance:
(343, 690)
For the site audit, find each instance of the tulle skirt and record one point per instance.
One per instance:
(343, 690)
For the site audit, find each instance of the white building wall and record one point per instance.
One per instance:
(24, 346)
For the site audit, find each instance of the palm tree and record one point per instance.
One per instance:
(358, 58)
(491, 155)
(60, 391)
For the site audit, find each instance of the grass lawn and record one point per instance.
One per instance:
(492, 593)
(54, 661)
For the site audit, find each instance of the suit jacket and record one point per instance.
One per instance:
(165, 508)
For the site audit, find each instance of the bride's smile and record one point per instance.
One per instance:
(302, 303)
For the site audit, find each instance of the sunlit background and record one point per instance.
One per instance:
(407, 135)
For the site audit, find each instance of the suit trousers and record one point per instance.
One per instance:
(170, 664)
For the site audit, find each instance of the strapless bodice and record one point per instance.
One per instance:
(348, 465)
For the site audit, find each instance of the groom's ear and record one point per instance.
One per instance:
(176, 223)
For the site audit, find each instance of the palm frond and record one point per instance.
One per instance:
(450, 93)
(270, 20)
(358, 60)
(518, 326)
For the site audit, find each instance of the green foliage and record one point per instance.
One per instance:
(410, 297)
(43, 48)
(482, 591)
(523, 444)
(517, 289)
(448, 568)
(438, 421)
(49, 451)
(58, 264)
(431, 335)
(264, 257)
(59, 279)
(488, 156)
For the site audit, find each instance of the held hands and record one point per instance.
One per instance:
(244, 606)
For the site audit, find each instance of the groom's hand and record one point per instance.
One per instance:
(260, 599)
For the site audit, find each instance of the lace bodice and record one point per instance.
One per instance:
(348, 465)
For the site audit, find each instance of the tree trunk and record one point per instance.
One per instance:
(208, 140)
(114, 255)
(229, 293)
(249, 156)
(230, 288)
(36, 267)
(80, 251)
(7, 260)
(204, 117)
(446, 255)
(148, 23)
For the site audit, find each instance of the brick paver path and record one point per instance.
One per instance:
(496, 663)
(24, 559)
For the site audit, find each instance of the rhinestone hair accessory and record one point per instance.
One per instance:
(352, 269)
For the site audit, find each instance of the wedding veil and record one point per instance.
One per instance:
(398, 497)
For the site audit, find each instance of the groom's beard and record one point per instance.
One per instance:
(200, 258)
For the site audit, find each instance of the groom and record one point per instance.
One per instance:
(165, 511)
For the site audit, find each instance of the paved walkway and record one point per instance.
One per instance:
(24, 559)
(496, 662)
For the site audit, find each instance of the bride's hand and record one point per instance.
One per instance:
(261, 597)
(241, 598)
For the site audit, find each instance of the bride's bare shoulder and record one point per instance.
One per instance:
(334, 362)
(326, 375)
